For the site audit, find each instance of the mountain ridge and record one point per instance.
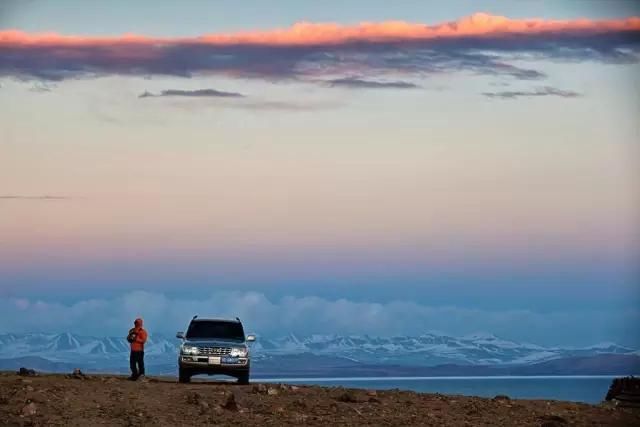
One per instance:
(427, 349)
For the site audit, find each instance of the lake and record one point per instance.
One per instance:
(588, 389)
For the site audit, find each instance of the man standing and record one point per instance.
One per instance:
(137, 337)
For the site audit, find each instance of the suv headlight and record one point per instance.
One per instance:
(189, 349)
(239, 352)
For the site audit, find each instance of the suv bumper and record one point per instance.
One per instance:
(202, 365)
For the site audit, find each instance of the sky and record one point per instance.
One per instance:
(322, 167)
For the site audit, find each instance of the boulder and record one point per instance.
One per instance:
(624, 392)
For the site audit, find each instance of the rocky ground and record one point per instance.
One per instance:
(79, 400)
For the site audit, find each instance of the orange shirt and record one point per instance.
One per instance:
(141, 338)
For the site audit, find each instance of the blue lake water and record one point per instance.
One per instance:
(588, 389)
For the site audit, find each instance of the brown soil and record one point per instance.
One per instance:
(76, 400)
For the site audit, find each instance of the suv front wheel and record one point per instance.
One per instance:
(183, 375)
(243, 379)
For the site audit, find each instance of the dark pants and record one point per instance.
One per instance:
(136, 362)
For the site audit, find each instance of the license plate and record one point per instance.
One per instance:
(214, 360)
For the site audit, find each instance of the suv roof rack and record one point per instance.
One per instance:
(194, 317)
(214, 319)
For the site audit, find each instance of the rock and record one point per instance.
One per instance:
(24, 372)
(259, 389)
(347, 397)
(29, 388)
(553, 421)
(204, 407)
(501, 397)
(29, 410)
(230, 403)
(77, 374)
(294, 388)
(299, 403)
(624, 386)
(372, 393)
(193, 398)
(272, 391)
(301, 418)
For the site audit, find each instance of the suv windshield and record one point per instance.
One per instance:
(216, 329)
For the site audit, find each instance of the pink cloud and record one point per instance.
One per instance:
(309, 34)
(327, 48)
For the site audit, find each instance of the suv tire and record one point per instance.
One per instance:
(243, 379)
(183, 376)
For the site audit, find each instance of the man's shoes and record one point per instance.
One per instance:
(132, 378)
(143, 378)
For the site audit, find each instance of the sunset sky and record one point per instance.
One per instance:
(322, 167)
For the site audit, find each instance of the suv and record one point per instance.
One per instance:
(214, 347)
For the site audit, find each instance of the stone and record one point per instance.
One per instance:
(272, 391)
(204, 407)
(259, 389)
(29, 410)
(553, 421)
(193, 398)
(77, 374)
(347, 397)
(230, 403)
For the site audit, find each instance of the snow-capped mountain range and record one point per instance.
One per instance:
(424, 350)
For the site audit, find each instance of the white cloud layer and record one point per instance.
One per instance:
(310, 315)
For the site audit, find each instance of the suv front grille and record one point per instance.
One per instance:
(214, 351)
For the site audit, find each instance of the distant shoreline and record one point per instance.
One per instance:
(480, 377)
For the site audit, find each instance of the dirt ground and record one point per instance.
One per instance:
(111, 400)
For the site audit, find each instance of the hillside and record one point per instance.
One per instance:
(79, 401)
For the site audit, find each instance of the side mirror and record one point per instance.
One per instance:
(180, 335)
(251, 338)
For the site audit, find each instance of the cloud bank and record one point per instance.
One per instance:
(309, 315)
(352, 83)
(481, 44)
(199, 93)
(18, 197)
(543, 91)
